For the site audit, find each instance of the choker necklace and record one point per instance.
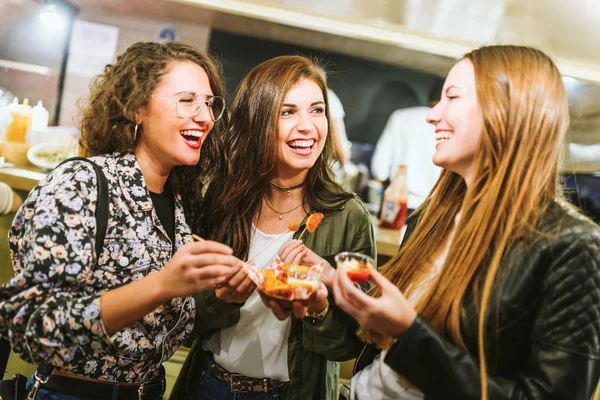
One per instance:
(281, 214)
(288, 190)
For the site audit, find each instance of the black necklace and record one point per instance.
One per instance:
(288, 190)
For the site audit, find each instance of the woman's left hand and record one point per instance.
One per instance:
(283, 309)
(295, 252)
(390, 314)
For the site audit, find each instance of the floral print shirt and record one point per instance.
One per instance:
(50, 310)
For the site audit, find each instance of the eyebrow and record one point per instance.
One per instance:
(294, 105)
(451, 87)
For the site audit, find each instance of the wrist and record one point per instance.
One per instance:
(405, 323)
(161, 291)
(319, 312)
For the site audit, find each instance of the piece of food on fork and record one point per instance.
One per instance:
(312, 223)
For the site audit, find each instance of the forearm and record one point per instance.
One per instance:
(442, 370)
(122, 306)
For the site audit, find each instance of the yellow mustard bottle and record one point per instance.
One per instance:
(16, 132)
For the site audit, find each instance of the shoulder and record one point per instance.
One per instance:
(562, 225)
(353, 210)
(72, 173)
(419, 112)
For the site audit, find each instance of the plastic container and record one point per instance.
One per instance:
(287, 282)
(358, 267)
(21, 115)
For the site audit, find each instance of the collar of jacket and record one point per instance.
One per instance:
(131, 181)
(325, 203)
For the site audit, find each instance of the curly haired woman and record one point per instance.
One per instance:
(107, 321)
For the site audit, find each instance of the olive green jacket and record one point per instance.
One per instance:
(314, 347)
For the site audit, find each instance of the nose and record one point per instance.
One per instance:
(203, 116)
(305, 122)
(434, 115)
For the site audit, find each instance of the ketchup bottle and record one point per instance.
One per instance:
(394, 208)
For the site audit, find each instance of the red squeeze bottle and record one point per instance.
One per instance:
(395, 197)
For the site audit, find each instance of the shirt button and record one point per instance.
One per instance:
(123, 261)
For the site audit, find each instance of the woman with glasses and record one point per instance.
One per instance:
(279, 152)
(106, 321)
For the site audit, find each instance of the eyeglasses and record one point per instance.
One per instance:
(189, 104)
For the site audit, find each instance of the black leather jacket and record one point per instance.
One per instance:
(543, 325)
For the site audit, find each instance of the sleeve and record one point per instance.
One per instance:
(335, 337)
(213, 313)
(385, 151)
(49, 310)
(564, 359)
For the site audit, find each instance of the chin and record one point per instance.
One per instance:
(304, 166)
(188, 159)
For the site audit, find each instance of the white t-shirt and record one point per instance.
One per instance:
(257, 346)
(378, 380)
(408, 139)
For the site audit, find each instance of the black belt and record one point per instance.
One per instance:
(152, 390)
(243, 384)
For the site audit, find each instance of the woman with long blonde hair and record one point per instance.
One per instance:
(495, 292)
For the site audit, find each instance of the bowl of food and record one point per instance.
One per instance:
(49, 155)
(358, 267)
(290, 282)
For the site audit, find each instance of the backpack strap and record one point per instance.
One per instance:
(45, 370)
(101, 204)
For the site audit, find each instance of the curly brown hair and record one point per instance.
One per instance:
(107, 121)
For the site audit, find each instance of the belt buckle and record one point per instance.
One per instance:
(266, 385)
(234, 383)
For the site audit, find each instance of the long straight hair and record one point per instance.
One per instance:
(250, 154)
(525, 113)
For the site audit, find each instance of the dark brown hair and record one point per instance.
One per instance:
(234, 197)
(107, 121)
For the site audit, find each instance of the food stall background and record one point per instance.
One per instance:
(384, 55)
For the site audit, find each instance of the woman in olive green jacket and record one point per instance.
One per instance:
(277, 160)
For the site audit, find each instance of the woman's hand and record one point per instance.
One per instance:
(295, 252)
(390, 314)
(197, 266)
(237, 288)
(283, 309)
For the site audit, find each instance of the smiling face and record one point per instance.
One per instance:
(168, 138)
(458, 122)
(302, 129)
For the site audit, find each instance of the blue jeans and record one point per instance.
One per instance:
(212, 388)
(44, 394)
